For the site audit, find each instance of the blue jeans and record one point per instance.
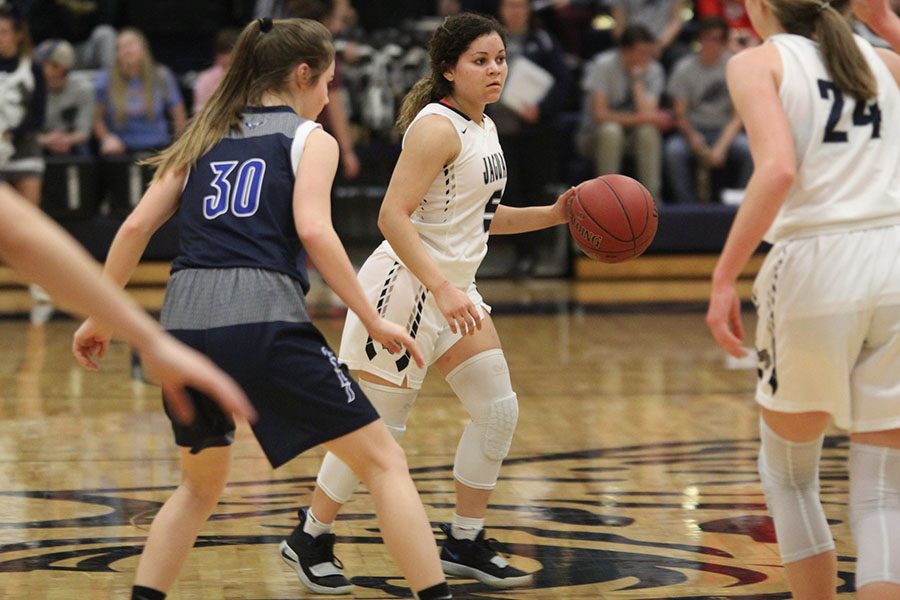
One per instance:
(680, 164)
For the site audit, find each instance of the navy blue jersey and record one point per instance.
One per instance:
(237, 204)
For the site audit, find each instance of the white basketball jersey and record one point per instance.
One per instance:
(848, 152)
(454, 216)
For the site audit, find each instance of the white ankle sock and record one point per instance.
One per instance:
(315, 527)
(466, 528)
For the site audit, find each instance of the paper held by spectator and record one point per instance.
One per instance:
(527, 84)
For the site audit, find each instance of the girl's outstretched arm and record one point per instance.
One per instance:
(42, 252)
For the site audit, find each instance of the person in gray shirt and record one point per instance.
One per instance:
(621, 109)
(709, 130)
(664, 18)
(70, 100)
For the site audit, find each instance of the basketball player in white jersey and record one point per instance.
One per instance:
(442, 202)
(822, 111)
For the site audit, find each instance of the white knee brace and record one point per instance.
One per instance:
(790, 477)
(875, 513)
(393, 405)
(482, 384)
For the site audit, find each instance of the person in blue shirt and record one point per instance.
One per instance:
(251, 180)
(136, 100)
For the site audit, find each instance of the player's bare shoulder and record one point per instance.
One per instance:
(754, 66)
(436, 135)
(892, 60)
(319, 139)
(756, 60)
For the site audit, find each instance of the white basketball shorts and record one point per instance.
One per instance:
(399, 297)
(828, 334)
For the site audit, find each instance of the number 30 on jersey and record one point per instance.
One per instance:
(242, 199)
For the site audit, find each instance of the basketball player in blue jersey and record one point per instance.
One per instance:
(822, 110)
(442, 202)
(251, 174)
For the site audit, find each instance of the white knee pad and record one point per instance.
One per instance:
(790, 477)
(875, 513)
(393, 405)
(482, 384)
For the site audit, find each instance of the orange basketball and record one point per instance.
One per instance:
(613, 218)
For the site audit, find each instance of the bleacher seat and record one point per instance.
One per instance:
(71, 188)
(124, 182)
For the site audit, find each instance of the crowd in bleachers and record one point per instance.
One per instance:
(638, 85)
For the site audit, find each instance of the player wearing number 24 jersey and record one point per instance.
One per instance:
(821, 108)
(846, 149)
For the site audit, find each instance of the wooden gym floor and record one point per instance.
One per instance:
(632, 475)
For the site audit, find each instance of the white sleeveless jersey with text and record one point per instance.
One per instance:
(454, 216)
(848, 152)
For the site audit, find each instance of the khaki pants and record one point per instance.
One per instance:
(609, 142)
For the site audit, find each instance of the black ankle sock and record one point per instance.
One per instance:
(140, 592)
(440, 591)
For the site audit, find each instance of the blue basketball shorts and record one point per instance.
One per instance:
(303, 395)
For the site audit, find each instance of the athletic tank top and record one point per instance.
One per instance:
(454, 216)
(237, 207)
(848, 152)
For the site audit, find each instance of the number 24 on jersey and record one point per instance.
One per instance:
(863, 114)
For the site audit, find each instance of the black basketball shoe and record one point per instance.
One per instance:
(479, 559)
(314, 561)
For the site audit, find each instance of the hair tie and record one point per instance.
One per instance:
(823, 4)
(265, 24)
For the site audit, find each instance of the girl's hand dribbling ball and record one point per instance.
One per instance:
(613, 218)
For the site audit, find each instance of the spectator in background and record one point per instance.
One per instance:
(881, 17)
(209, 80)
(446, 8)
(529, 135)
(867, 30)
(334, 118)
(23, 107)
(570, 20)
(709, 130)
(134, 99)
(70, 101)
(621, 108)
(741, 32)
(22, 110)
(664, 18)
(86, 25)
